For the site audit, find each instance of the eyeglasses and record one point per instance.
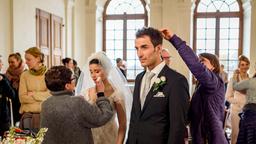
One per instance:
(73, 79)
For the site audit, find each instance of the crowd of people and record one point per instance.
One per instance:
(99, 107)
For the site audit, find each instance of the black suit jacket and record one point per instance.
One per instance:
(162, 119)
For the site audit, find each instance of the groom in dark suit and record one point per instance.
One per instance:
(161, 97)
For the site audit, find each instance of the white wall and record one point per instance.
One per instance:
(5, 30)
(80, 32)
(177, 16)
(24, 20)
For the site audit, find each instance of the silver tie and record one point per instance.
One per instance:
(148, 76)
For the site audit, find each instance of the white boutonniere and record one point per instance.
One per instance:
(159, 83)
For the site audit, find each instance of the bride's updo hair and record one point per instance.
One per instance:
(102, 60)
(94, 61)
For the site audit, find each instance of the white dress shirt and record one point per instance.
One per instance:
(156, 71)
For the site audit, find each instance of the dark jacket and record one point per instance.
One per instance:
(69, 119)
(6, 91)
(162, 119)
(207, 105)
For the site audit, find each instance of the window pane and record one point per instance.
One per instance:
(131, 34)
(224, 33)
(114, 24)
(200, 44)
(125, 6)
(200, 33)
(118, 34)
(201, 23)
(234, 23)
(223, 54)
(234, 33)
(229, 29)
(206, 2)
(224, 23)
(130, 45)
(110, 44)
(233, 44)
(110, 34)
(131, 54)
(201, 7)
(234, 7)
(211, 22)
(224, 44)
(130, 74)
(210, 34)
(110, 52)
(211, 8)
(218, 4)
(232, 65)
(229, 2)
(210, 44)
(224, 8)
(233, 54)
(119, 44)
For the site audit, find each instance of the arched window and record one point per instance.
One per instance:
(121, 20)
(218, 29)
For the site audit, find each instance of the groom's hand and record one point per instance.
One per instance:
(166, 33)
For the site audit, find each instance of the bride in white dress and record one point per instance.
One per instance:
(98, 67)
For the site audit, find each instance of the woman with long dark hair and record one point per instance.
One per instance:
(206, 112)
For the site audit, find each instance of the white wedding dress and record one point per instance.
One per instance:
(107, 134)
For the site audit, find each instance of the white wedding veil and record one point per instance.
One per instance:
(114, 76)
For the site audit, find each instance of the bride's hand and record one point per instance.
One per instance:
(99, 85)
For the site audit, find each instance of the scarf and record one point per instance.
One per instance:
(42, 69)
(13, 74)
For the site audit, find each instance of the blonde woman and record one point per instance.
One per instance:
(236, 98)
(32, 90)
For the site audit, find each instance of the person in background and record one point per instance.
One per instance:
(166, 56)
(247, 126)
(69, 118)
(32, 89)
(76, 69)
(69, 63)
(120, 65)
(206, 113)
(236, 98)
(6, 92)
(224, 75)
(16, 67)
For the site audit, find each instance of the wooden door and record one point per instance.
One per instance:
(56, 25)
(43, 35)
(49, 37)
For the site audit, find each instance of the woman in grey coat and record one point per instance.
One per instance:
(69, 118)
(247, 126)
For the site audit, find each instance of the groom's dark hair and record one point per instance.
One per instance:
(154, 34)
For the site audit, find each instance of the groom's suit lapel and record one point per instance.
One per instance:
(137, 94)
(151, 93)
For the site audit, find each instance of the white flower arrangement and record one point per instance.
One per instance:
(159, 83)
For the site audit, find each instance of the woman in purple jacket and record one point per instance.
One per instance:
(206, 112)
